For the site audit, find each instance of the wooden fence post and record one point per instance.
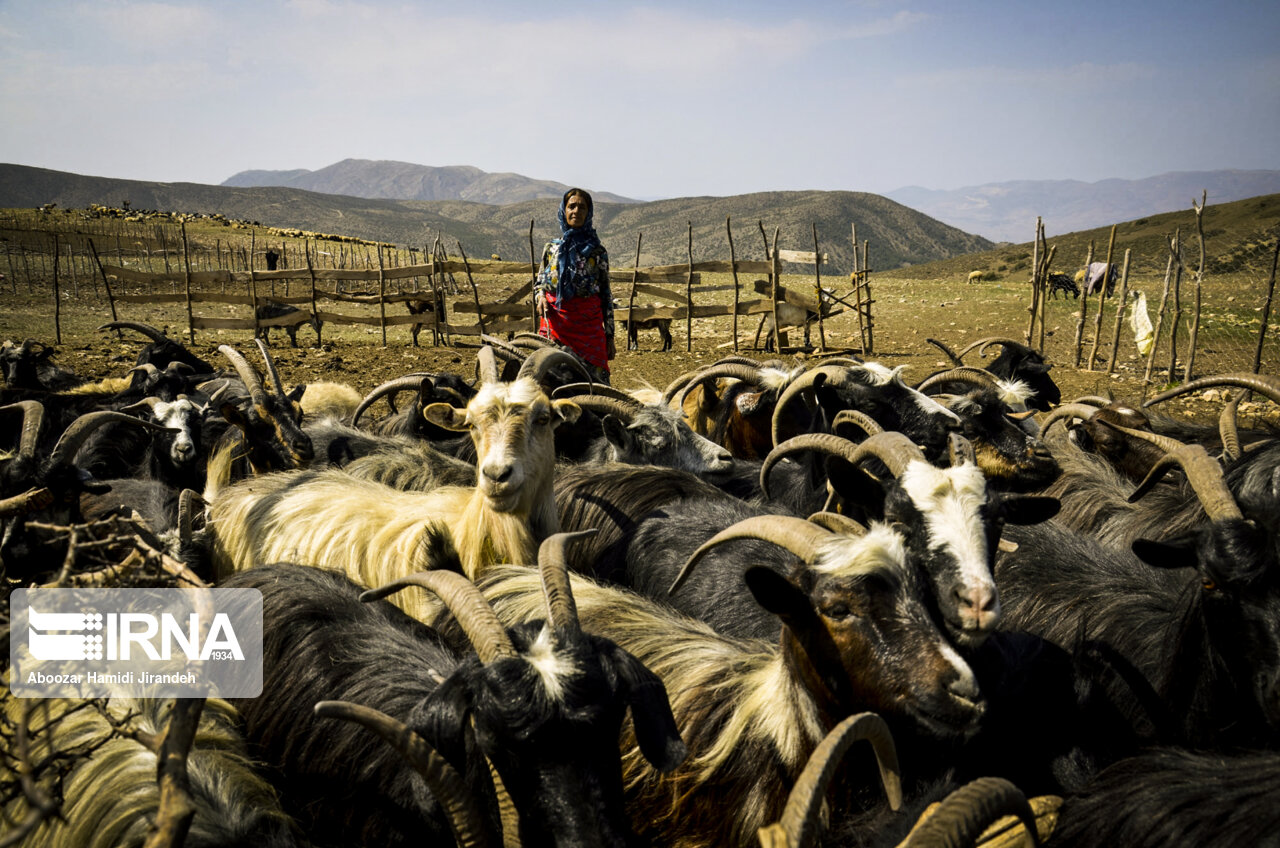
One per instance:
(57, 301)
(382, 296)
(1164, 300)
(1084, 308)
(1176, 314)
(1266, 309)
(186, 264)
(1199, 278)
(688, 296)
(1102, 299)
(1120, 307)
(733, 264)
(533, 279)
(775, 276)
(311, 272)
(817, 287)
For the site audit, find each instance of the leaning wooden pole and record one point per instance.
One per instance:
(475, 292)
(1102, 300)
(688, 296)
(775, 277)
(1176, 314)
(733, 264)
(111, 298)
(631, 298)
(1035, 282)
(1199, 278)
(1164, 302)
(866, 284)
(186, 275)
(311, 273)
(1121, 305)
(1266, 309)
(533, 280)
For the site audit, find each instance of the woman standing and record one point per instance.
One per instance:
(574, 301)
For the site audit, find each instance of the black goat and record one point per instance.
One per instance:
(29, 366)
(1169, 796)
(543, 701)
(1063, 283)
(632, 327)
(162, 350)
(272, 309)
(425, 304)
(1016, 362)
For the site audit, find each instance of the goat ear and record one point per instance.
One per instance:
(1165, 554)
(777, 594)
(566, 411)
(442, 717)
(748, 402)
(295, 394)
(616, 432)
(856, 486)
(655, 726)
(1030, 509)
(234, 416)
(446, 416)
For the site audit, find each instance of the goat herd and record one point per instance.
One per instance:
(526, 609)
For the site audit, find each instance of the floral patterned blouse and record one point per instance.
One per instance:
(592, 279)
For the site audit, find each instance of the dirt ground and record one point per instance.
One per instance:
(907, 316)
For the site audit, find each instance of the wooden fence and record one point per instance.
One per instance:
(323, 288)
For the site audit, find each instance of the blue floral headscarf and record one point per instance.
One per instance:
(576, 244)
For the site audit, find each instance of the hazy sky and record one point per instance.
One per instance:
(655, 99)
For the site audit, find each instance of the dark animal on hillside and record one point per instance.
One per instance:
(1062, 283)
(275, 309)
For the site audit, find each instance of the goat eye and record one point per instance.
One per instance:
(543, 419)
(838, 611)
(1209, 584)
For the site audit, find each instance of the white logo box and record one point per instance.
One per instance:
(150, 643)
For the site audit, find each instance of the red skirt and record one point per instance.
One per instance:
(578, 324)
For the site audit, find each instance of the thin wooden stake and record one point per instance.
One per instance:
(1102, 300)
(186, 262)
(111, 300)
(688, 296)
(1266, 309)
(57, 300)
(1199, 279)
(382, 296)
(733, 263)
(1121, 305)
(817, 287)
(1084, 308)
(475, 292)
(632, 333)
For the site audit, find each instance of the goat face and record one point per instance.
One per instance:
(549, 720)
(1010, 458)
(878, 391)
(1234, 563)
(186, 417)
(952, 524)
(863, 636)
(659, 436)
(513, 428)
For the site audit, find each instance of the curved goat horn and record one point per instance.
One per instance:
(795, 534)
(271, 368)
(892, 448)
(736, 370)
(1229, 428)
(1067, 410)
(465, 817)
(32, 419)
(577, 391)
(245, 371)
(1203, 473)
(391, 387)
(827, 443)
(602, 405)
(469, 607)
(1267, 386)
(963, 374)
(146, 329)
(64, 452)
(951, 354)
(869, 425)
(819, 375)
(966, 813)
(961, 450)
(487, 365)
(837, 523)
(552, 563)
(542, 361)
(983, 344)
(798, 827)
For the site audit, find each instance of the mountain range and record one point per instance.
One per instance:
(1007, 211)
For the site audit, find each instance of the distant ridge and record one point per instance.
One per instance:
(390, 180)
(1007, 211)
(897, 235)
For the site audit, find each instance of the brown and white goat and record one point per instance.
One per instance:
(373, 533)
